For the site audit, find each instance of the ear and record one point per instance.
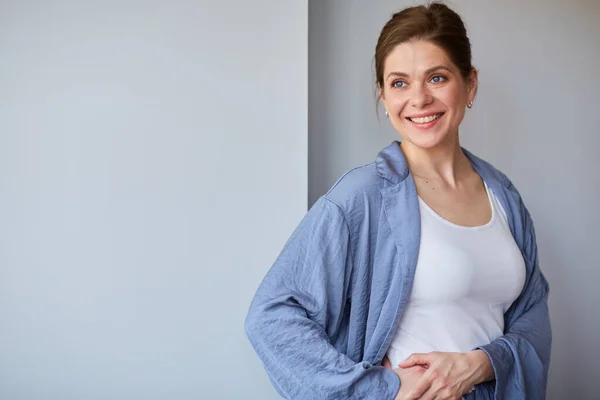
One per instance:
(472, 84)
(382, 100)
(381, 92)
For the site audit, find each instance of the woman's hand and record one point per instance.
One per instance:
(448, 376)
(409, 378)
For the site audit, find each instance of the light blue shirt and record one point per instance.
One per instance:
(324, 315)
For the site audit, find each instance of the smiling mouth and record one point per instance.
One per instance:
(425, 120)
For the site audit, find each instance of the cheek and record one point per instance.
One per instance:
(396, 102)
(454, 97)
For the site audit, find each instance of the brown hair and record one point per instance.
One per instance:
(435, 23)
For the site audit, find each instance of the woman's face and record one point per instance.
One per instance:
(425, 94)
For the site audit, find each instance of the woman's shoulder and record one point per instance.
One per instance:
(355, 187)
(488, 171)
(496, 179)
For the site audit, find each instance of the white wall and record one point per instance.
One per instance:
(152, 165)
(535, 118)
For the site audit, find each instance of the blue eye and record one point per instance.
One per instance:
(398, 84)
(438, 79)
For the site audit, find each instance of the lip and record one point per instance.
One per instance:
(427, 125)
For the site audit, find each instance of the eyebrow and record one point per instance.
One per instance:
(429, 71)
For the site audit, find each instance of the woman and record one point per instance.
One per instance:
(424, 261)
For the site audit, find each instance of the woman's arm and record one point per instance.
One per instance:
(302, 297)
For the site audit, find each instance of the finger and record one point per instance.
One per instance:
(435, 393)
(428, 395)
(415, 359)
(423, 386)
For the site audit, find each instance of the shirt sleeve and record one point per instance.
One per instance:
(521, 357)
(300, 300)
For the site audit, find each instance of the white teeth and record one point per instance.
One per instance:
(424, 120)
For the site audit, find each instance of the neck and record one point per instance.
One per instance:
(445, 162)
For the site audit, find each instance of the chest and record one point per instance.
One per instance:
(468, 205)
(481, 264)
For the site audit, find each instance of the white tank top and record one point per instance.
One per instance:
(466, 279)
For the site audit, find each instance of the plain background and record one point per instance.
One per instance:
(535, 118)
(152, 164)
(153, 161)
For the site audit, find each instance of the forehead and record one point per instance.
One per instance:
(416, 57)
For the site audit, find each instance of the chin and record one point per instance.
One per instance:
(426, 141)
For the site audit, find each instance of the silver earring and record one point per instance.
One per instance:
(470, 104)
(387, 114)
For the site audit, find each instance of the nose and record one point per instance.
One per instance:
(420, 96)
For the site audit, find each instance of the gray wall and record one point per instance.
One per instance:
(535, 118)
(152, 165)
